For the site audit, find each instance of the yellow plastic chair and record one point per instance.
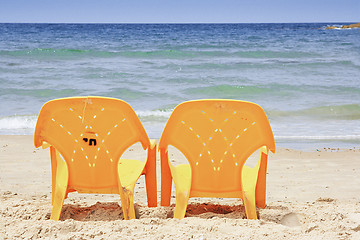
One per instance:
(216, 137)
(87, 136)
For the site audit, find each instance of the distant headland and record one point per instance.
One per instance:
(356, 25)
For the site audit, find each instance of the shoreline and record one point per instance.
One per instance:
(311, 195)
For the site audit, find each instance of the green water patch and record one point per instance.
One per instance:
(156, 53)
(339, 112)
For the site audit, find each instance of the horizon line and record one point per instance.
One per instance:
(174, 22)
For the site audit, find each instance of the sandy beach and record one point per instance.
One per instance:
(310, 195)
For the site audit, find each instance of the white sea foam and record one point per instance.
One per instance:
(17, 122)
(156, 113)
(25, 124)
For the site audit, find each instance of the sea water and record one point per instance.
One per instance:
(306, 78)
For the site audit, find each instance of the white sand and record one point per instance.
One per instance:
(310, 195)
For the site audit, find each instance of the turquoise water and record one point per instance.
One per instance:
(306, 78)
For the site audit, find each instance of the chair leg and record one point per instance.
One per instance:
(182, 180)
(260, 191)
(60, 189)
(150, 176)
(182, 199)
(249, 202)
(127, 202)
(249, 179)
(54, 158)
(58, 202)
(131, 204)
(166, 179)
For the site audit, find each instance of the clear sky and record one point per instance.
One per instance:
(179, 11)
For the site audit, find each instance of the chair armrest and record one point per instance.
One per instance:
(264, 150)
(45, 145)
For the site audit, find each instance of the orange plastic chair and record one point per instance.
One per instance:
(87, 136)
(216, 137)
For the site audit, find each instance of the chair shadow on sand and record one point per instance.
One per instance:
(110, 211)
(101, 211)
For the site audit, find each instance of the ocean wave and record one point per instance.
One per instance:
(275, 54)
(265, 64)
(329, 63)
(44, 52)
(18, 122)
(53, 52)
(154, 114)
(39, 92)
(157, 53)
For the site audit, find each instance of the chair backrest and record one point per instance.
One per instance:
(91, 133)
(216, 137)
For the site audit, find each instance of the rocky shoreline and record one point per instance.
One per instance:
(355, 25)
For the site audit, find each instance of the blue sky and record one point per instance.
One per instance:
(179, 11)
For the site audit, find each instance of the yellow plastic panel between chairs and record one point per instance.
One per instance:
(87, 136)
(216, 137)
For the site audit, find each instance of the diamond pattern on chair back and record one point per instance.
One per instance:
(91, 133)
(217, 136)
